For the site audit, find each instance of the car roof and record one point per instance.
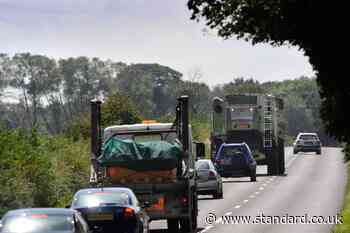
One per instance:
(234, 144)
(308, 134)
(105, 189)
(204, 160)
(26, 211)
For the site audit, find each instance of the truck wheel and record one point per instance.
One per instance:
(173, 225)
(185, 225)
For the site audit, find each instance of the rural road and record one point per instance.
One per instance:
(314, 186)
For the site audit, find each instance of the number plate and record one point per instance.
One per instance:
(100, 216)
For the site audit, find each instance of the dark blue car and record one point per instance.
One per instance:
(111, 210)
(235, 160)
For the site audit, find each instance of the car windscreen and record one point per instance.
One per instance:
(147, 137)
(202, 165)
(38, 223)
(308, 137)
(101, 198)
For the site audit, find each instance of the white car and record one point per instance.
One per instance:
(307, 142)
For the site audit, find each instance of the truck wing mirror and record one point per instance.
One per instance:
(200, 150)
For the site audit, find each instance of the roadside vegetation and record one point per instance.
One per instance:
(345, 213)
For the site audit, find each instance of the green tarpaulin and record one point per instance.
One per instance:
(152, 155)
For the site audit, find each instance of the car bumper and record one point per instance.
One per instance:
(207, 186)
(307, 148)
(237, 173)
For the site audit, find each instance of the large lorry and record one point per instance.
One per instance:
(168, 187)
(254, 119)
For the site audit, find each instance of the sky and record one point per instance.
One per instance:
(141, 31)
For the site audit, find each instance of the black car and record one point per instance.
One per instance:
(307, 142)
(111, 210)
(235, 160)
(43, 220)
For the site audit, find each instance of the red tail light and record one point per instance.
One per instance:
(128, 212)
(211, 175)
(184, 201)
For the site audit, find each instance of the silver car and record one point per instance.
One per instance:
(208, 179)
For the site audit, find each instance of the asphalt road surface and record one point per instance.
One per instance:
(313, 190)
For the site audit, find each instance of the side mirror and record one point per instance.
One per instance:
(146, 204)
(200, 150)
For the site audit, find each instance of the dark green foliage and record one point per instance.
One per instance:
(311, 25)
(38, 171)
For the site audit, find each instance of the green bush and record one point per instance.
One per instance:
(40, 171)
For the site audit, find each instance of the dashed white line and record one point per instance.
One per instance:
(206, 229)
(264, 184)
(257, 193)
(252, 196)
(237, 206)
(261, 188)
(245, 201)
(228, 213)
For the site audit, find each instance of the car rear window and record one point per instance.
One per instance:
(202, 165)
(229, 151)
(99, 198)
(38, 223)
(308, 137)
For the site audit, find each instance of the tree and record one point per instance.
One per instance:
(311, 25)
(240, 85)
(35, 76)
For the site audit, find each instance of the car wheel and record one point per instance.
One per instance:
(253, 178)
(295, 152)
(219, 194)
(318, 152)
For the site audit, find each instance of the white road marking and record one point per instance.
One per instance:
(206, 229)
(245, 201)
(264, 184)
(256, 193)
(237, 206)
(228, 213)
(261, 188)
(252, 196)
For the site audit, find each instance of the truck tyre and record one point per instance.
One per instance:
(185, 225)
(173, 225)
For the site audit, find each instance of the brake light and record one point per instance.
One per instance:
(211, 175)
(184, 200)
(128, 212)
(39, 216)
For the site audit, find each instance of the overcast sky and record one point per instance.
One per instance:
(145, 31)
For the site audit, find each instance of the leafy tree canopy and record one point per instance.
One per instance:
(311, 25)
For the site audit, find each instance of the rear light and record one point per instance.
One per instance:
(211, 175)
(128, 212)
(184, 201)
(39, 216)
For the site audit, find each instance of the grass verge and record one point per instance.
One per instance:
(345, 227)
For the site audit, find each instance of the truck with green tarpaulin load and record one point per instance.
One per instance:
(155, 160)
